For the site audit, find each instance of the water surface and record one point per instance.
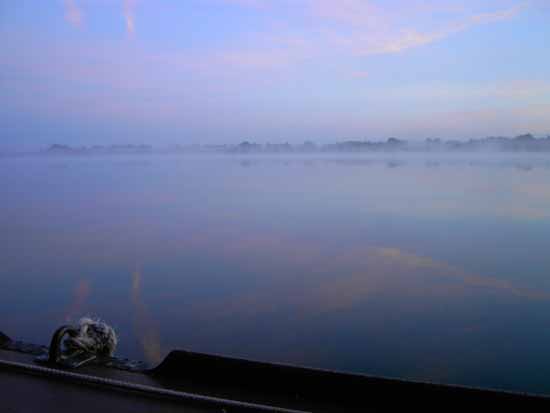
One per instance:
(430, 267)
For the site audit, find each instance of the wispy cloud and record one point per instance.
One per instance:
(360, 74)
(352, 13)
(357, 28)
(387, 38)
(129, 16)
(247, 3)
(512, 90)
(353, 28)
(73, 14)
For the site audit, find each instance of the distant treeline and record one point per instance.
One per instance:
(522, 143)
(66, 149)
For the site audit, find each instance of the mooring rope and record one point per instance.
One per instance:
(93, 336)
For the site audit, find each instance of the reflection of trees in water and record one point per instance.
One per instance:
(395, 164)
(246, 163)
(518, 164)
(524, 167)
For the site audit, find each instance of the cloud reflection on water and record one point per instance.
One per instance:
(79, 297)
(327, 282)
(144, 326)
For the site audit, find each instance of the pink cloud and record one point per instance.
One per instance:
(362, 27)
(73, 14)
(349, 28)
(247, 3)
(384, 41)
(360, 74)
(349, 12)
(129, 16)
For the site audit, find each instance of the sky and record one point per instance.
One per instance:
(87, 72)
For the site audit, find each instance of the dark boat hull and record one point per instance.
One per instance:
(203, 383)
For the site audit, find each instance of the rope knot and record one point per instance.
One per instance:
(93, 336)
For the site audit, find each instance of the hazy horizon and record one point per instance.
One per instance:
(41, 148)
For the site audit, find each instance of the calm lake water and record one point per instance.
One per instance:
(430, 267)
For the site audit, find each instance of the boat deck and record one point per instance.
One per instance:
(194, 382)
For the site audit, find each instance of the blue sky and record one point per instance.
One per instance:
(216, 71)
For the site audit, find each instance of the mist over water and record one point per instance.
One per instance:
(429, 267)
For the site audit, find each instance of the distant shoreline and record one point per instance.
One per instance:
(526, 143)
(521, 143)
